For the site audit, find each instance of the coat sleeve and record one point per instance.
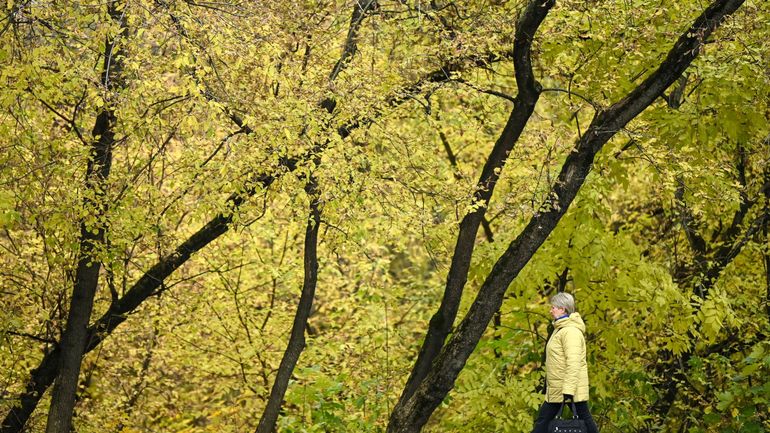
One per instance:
(573, 343)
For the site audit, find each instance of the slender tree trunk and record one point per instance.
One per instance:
(767, 276)
(412, 415)
(296, 342)
(766, 193)
(529, 91)
(92, 239)
(361, 9)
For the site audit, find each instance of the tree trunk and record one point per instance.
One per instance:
(92, 236)
(296, 342)
(766, 191)
(411, 416)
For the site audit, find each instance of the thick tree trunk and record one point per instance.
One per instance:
(296, 342)
(529, 91)
(74, 339)
(414, 413)
(92, 237)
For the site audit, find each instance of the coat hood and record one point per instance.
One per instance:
(574, 320)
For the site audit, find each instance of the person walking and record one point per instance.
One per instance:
(566, 369)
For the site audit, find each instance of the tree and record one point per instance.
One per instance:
(231, 110)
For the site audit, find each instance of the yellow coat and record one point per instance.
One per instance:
(566, 370)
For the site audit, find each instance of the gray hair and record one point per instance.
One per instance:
(564, 300)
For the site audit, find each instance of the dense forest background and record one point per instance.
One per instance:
(348, 216)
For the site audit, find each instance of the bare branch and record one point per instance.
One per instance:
(32, 337)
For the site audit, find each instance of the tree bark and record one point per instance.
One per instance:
(296, 342)
(361, 9)
(528, 93)
(92, 239)
(412, 415)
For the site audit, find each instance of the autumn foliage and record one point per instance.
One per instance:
(348, 216)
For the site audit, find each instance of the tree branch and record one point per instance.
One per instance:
(593, 104)
(43, 375)
(499, 94)
(361, 9)
(453, 161)
(32, 337)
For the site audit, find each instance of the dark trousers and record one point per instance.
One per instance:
(548, 411)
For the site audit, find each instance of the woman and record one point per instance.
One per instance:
(566, 370)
